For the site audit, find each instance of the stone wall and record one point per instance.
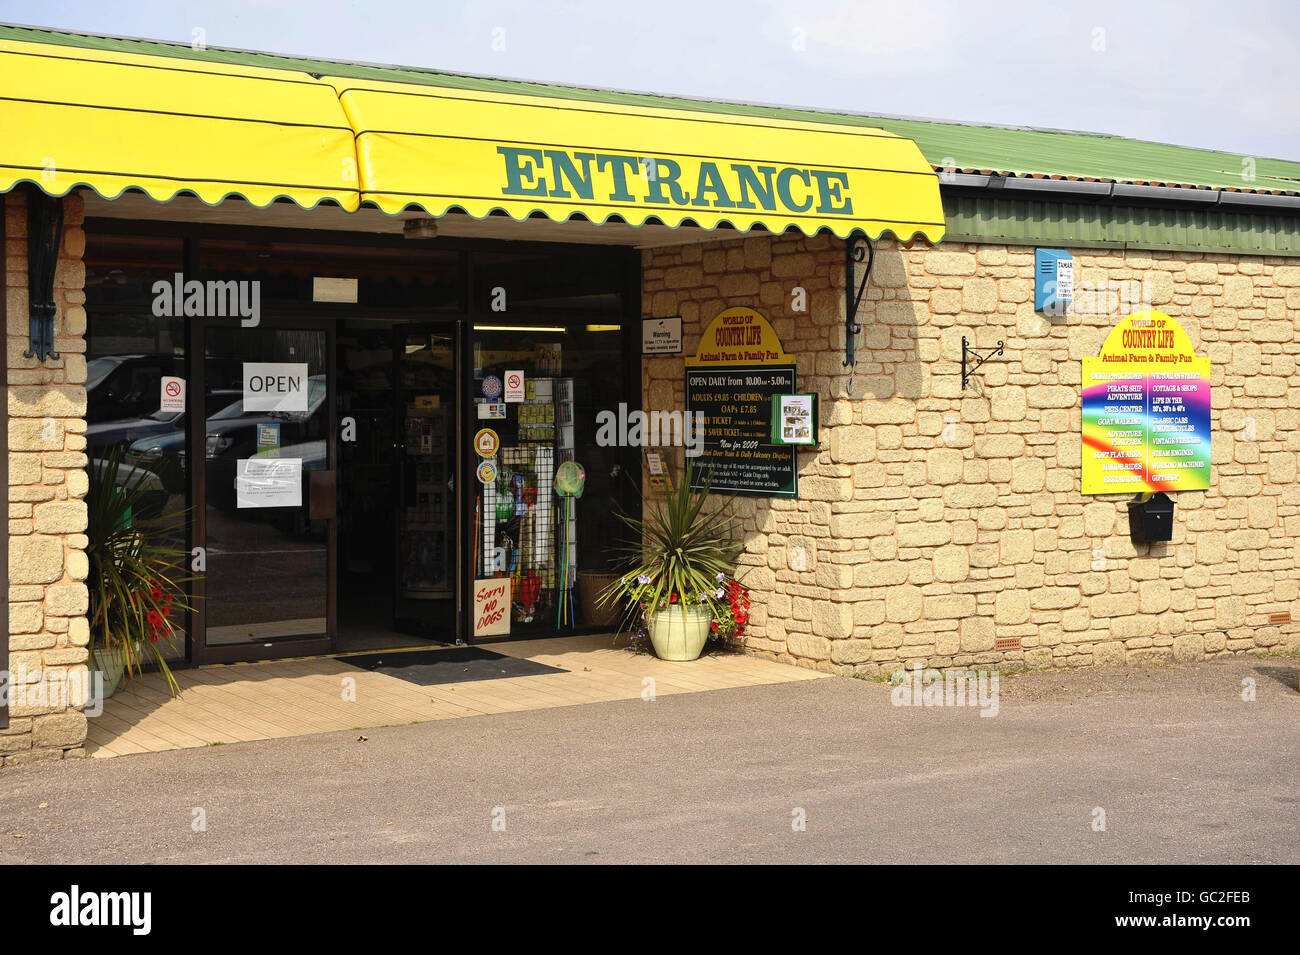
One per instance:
(946, 526)
(48, 630)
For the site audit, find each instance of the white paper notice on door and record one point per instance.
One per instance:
(268, 482)
(275, 386)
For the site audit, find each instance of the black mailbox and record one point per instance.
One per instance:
(1153, 519)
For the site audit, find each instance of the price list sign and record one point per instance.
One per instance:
(736, 405)
(1146, 410)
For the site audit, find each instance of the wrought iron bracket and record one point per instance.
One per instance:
(857, 248)
(44, 237)
(968, 354)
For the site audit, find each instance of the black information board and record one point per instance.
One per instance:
(736, 401)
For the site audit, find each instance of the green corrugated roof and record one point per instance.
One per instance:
(1017, 151)
(1091, 225)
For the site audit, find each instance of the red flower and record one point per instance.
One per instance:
(742, 619)
(672, 598)
(714, 626)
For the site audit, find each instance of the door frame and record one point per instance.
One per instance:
(196, 360)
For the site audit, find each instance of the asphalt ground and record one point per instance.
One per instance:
(1150, 765)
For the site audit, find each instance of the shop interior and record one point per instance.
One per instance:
(391, 517)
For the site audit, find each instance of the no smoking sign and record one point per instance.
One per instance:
(172, 396)
(514, 386)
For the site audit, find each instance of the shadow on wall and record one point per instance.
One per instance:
(890, 363)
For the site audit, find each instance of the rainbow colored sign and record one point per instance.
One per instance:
(1146, 410)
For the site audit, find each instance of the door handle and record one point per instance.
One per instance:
(321, 493)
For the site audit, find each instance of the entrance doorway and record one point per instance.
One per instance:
(330, 521)
(399, 519)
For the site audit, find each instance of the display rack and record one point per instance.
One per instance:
(424, 540)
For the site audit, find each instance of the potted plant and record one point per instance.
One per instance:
(678, 568)
(134, 581)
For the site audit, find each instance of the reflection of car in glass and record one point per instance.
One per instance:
(232, 435)
(121, 387)
(158, 424)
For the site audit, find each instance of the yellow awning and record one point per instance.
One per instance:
(113, 120)
(439, 148)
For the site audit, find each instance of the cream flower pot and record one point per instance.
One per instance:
(679, 633)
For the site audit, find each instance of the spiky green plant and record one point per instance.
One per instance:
(679, 550)
(135, 569)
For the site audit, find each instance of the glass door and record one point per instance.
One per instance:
(426, 584)
(266, 511)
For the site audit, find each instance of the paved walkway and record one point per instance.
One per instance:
(256, 701)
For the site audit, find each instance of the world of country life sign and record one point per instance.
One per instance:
(1146, 410)
(731, 380)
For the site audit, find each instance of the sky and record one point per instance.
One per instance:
(1190, 72)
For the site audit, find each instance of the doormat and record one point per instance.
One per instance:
(452, 665)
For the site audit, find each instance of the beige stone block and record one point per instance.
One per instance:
(1134, 627)
(903, 604)
(78, 631)
(808, 645)
(977, 634)
(24, 469)
(1009, 403)
(60, 517)
(1211, 547)
(1282, 467)
(832, 620)
(852, 444)
(979, 296)
(1011, 607)
(1076, 620)
(1154, 596)
(999, 446)
(47, 401)
(945, 302)
(59, 729)
(1229, 612)
(35, 434)
(1052, 396)
(1054, 598)
(944, 466)
(1189, 648)
(1202, 273)
(35, 559)
(861, 524)
(1261, 512)
(888, 412)
(851, 651)
(25, 618)
(1238, 291)
(1246, 359)
(1287, 276)
(1015, 291)
(1099, 519)
(951, 564)
(1162, 287)
(67, 600)
(949, 607)
(949, 263)
(1017, 547)
(1028, 475)
(1109, 654)
(923, 534)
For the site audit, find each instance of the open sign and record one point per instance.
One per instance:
(275, 386)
